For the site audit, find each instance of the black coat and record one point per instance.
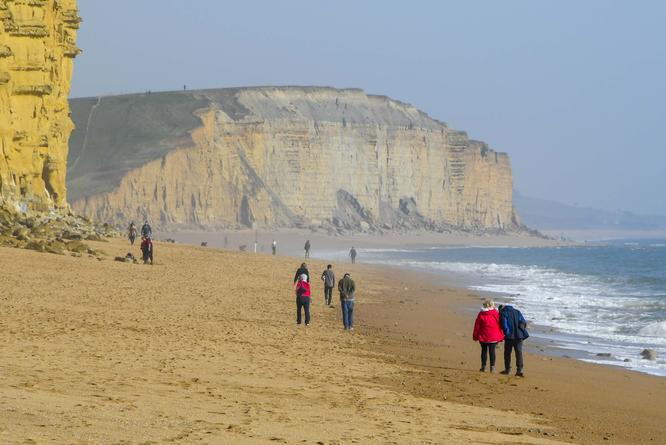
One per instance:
(301, 271)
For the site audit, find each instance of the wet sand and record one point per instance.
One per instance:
(203, 347)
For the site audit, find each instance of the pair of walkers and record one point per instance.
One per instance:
(346, 288)
(493, 326)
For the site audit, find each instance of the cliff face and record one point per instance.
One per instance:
(287, 156)
(37, 47)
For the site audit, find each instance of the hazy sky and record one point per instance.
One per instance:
(574, 91)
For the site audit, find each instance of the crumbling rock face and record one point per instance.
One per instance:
(282, 157)
(37, 47)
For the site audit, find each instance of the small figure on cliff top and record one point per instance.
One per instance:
(274, 247)
(307, 249)
(146, 231)
(352, 255)
(147, 250)
(132, 233)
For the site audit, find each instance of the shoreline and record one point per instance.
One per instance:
(202, 346)
(547, 340)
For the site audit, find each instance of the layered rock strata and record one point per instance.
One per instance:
(282, 157)
(37, 48)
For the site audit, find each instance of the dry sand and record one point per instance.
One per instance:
(203, 347)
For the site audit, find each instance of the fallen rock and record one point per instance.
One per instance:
(604, 354)
(649, 354)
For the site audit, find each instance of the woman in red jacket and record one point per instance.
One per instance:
(303, 299)
(488, 333)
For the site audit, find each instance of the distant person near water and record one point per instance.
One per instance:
(274, 247)
(303, 299)
(303, 270)
(146, 230)
(307, 249)
(488, 333)
(347, 289)
(147, 250)
(328, 277)
(352, 255)
(514, 326)
(132, 233)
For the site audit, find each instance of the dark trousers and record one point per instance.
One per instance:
(303, 303)
(328, 294)
(518, 346)
(147, 255)
(485, 349)
(132, 238)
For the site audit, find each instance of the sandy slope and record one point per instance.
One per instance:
(202, 347)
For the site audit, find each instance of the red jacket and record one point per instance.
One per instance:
(487, 327)
(303, 289)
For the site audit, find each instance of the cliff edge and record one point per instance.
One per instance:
(281, 157)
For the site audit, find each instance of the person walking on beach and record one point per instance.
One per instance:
(328, 277)
(514, 327)
(303, 270)
(131, 233)
(274, 247)
(146, 231)
(307, 249)
(147, 250)
(303, 299)
(352, 255)
(347, 289)
(488, 333)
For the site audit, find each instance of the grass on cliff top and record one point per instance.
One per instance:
(118, 133)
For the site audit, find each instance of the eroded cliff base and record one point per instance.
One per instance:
(58, 233)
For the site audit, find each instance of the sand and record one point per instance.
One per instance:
(203, 347)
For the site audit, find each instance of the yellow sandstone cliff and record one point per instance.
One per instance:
(282, 157)
(37, 48)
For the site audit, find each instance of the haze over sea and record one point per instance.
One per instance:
(593, 301)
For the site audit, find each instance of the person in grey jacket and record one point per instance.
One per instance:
(328, 277)
(347, 289)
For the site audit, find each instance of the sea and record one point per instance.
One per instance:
(602, 303)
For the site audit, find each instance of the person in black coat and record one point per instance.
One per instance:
(302, 270)
(514, 326)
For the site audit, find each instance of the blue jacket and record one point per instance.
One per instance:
(513, 324)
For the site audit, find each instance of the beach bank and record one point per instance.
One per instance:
(203, 346)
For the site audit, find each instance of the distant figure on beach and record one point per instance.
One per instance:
(352, 255)
(328, 277)
(307, 249)
(274, 247)
(303, 270)
(147, 250)
(146, 230)
(226, 241)
(303, 299)
(347, 289)
(514, 326)
(132, 233)
(488, 333)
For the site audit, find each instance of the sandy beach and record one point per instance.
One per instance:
(203, 347)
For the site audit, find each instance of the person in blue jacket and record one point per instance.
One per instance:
(514, 326)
